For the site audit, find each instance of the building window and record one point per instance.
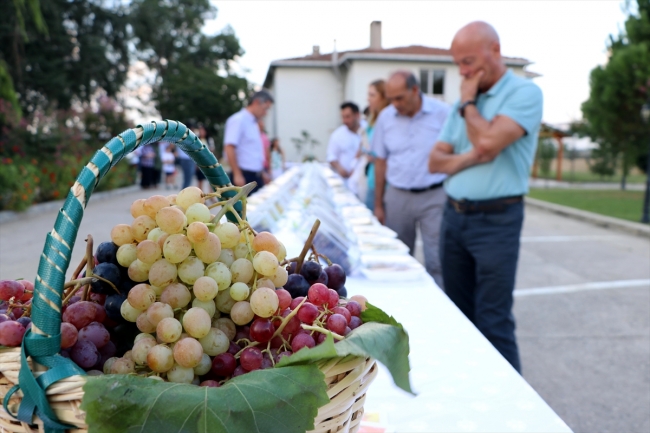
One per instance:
(432, 81)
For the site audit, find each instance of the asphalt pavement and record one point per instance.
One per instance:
(582, 308)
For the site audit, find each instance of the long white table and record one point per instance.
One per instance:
(462, 383)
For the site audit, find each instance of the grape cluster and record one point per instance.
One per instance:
(15, 300)
(177, 297)
(311, 273)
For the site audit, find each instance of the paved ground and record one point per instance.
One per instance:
(583, 322)
(585, 347)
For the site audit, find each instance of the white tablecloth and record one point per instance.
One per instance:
(462, 383)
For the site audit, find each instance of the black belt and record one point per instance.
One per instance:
(485, 206)
(427, 188)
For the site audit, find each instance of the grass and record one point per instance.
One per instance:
(615, 203)
(586, 176)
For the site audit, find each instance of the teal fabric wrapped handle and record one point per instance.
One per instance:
(43, 342)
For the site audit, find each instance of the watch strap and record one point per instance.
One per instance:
(464, 105)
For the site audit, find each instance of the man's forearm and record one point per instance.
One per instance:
(479, 134)
(339, 169)
(449, 163)
(232, 159)
(380, 181)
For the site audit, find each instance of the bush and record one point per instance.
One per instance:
(41, 156)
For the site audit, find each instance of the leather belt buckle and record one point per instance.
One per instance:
(458, 206)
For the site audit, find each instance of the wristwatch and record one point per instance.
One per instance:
(464, 105)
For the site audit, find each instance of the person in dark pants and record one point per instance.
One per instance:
(243, 143)
(487, 147)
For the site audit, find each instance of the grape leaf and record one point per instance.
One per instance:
(273, 400)
(376, 314)
(388, 344)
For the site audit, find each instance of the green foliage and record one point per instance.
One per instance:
(275, 400)
(86, 48)
(41, 155)
(195, 80)
(618, 90)
(7, 91)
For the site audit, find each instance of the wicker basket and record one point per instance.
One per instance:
(347, 378)
(347, 381)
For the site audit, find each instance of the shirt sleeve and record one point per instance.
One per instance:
(333, 147)
(377, 145)
(524, 106)
(232, 134)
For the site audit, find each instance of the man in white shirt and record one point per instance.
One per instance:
(243, 142)
(344, 143)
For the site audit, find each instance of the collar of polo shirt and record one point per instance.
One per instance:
(499, 84)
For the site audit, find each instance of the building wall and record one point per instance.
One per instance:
(305, 99)
(362, 72)
(308, 98)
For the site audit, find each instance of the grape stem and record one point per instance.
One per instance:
(322, 330)
(308, 245)
(287, 261)
(323, 256)
(286, 319)
(78, 283)
(77, 271)
(89, 268)
(228, 205)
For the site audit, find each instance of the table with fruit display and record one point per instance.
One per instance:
(189, 318)
(462, 383)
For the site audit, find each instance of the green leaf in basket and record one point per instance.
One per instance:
(273, 400)
(376, 314)
(388, 344)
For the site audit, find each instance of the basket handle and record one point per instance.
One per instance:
(43, 342)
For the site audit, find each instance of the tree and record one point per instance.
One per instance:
(618, 90)
(194, 78)
(86, 48)
(7, 89)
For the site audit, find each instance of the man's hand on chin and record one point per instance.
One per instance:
(469, 87)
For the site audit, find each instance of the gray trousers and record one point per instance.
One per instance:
(405, 211)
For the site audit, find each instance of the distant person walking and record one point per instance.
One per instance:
(187, 165)
(487, 147)
(147, 164)
(376, 103)
(278, 161)
(169, 167)
(243, 142)
(202, 133)
(344, 143)
(403, 137)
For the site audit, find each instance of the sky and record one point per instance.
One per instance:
(564, 39)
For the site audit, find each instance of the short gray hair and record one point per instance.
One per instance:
(408, 77)
(263, 96)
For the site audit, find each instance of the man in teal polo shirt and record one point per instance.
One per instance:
(486, 147)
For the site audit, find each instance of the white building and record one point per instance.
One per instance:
(308, 90)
